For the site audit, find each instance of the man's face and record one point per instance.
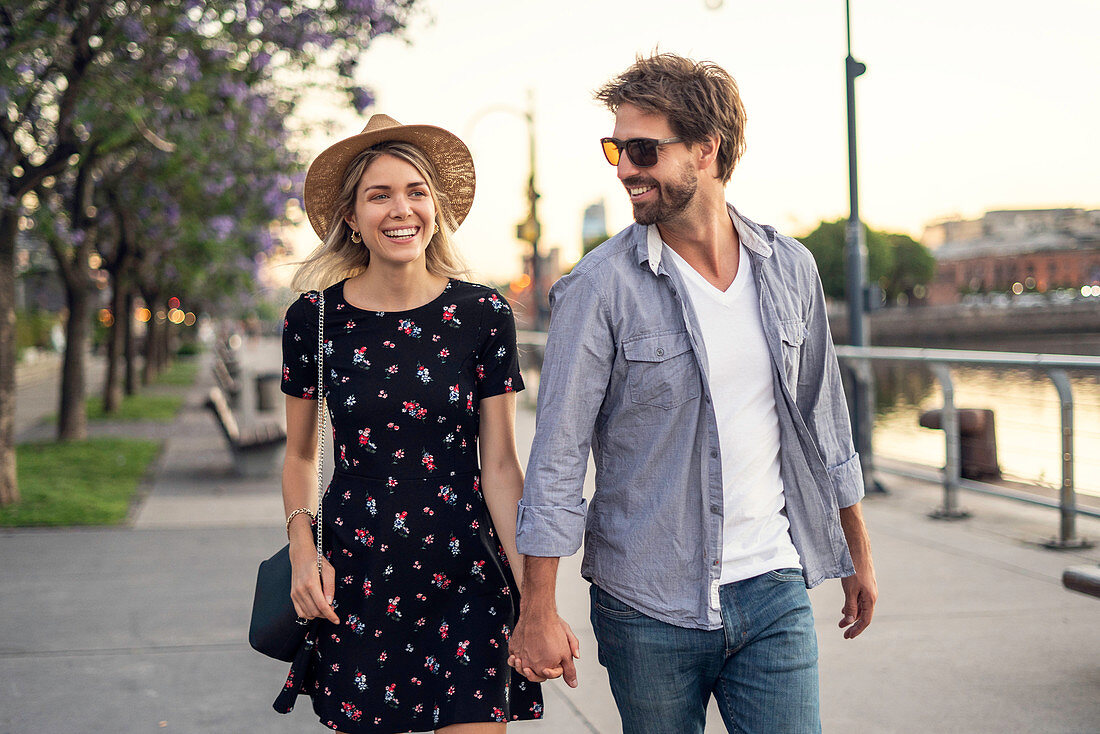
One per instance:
(662, 191)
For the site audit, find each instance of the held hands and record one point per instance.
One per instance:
(543, 646)
(312, 595)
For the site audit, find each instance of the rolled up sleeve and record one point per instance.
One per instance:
(847, 479)
(580, 353)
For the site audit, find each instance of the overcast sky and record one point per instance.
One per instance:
(966, 106)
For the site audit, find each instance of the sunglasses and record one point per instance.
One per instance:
(642, 151)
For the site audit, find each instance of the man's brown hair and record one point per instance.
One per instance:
(700, 100)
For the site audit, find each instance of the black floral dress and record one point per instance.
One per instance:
(423, 590)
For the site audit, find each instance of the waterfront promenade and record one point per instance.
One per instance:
(142, 627)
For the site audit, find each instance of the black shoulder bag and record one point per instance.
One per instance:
(276, 630)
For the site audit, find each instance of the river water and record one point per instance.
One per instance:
(1026, 416)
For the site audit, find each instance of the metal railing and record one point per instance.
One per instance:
(940, 361)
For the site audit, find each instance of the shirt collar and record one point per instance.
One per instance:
(752, 236)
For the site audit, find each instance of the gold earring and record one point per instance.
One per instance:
(436, 231)
(356, 237)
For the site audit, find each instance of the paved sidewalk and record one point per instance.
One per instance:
(142, 628)
(38, 390)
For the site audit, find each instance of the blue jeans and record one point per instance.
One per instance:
(761, 666)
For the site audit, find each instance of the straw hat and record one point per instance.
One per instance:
(448, 154)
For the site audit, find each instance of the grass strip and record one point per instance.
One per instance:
(139, 407)
(182, 373)
(88, 482)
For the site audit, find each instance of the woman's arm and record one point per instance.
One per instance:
(300, 490)
(501, 475)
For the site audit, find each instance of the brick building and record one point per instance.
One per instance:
(1014, 251)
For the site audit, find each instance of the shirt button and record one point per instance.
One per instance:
(660, 352)
(716, 509)
(714, 454)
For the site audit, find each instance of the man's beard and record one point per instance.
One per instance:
(672, 197)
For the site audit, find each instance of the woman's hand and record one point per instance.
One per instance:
(312, 595)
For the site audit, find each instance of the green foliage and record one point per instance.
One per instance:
(591, 243)
(32, 328)
(914, 265)
(78, 483)
(896, 262)
(189, 349)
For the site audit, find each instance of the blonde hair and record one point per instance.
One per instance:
(338, 257)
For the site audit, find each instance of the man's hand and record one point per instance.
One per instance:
(543, 646)
(861, 589)
(860, 593)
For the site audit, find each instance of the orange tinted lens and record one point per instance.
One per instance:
(610, 152)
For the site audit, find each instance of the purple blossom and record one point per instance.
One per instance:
(361, 98)
(260, 61)
(172, 214)
(221, 226)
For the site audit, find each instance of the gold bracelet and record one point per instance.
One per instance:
(294, 514)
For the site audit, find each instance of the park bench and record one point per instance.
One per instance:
(227, 355)
(256, 450)
(231, 389)
(1085, 579)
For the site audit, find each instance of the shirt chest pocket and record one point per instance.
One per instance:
(661, 370)
(792, 333)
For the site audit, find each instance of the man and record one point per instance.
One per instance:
(692, 353)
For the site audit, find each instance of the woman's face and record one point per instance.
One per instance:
(394, 211)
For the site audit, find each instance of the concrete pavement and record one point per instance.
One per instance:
(142, 628)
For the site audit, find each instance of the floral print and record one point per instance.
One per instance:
(423, 590)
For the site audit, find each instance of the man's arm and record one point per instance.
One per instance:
(860, 590)
(823, 406)
(580, 352)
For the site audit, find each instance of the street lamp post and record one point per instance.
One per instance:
(530, 229)
(859, 296)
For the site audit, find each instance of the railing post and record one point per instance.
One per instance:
(1067, 538)
(951, 470)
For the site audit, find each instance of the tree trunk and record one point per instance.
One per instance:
(72, 423)
(165, 353)
(152, 336)
(116, 344)
(9, 227)
(131, 344)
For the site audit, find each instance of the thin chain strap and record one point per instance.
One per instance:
(320, 416)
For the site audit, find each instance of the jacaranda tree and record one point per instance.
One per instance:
(88, 88)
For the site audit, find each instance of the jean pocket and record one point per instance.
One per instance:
(609, 606)
(661, 370)
(787, 574)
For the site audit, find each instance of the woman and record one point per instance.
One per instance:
(417, 595)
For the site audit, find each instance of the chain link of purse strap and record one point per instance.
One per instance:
(320, 416)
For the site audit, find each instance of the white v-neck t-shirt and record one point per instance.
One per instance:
(755, 532)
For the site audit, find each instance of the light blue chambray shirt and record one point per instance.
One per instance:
(625, 374)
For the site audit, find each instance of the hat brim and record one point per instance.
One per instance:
(449, 155)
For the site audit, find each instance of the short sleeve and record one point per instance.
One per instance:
(497, 357)
(300, 348)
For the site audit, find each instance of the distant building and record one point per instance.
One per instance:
(595, 221)
(1014, 251)
(38, 286)
(593, 226)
